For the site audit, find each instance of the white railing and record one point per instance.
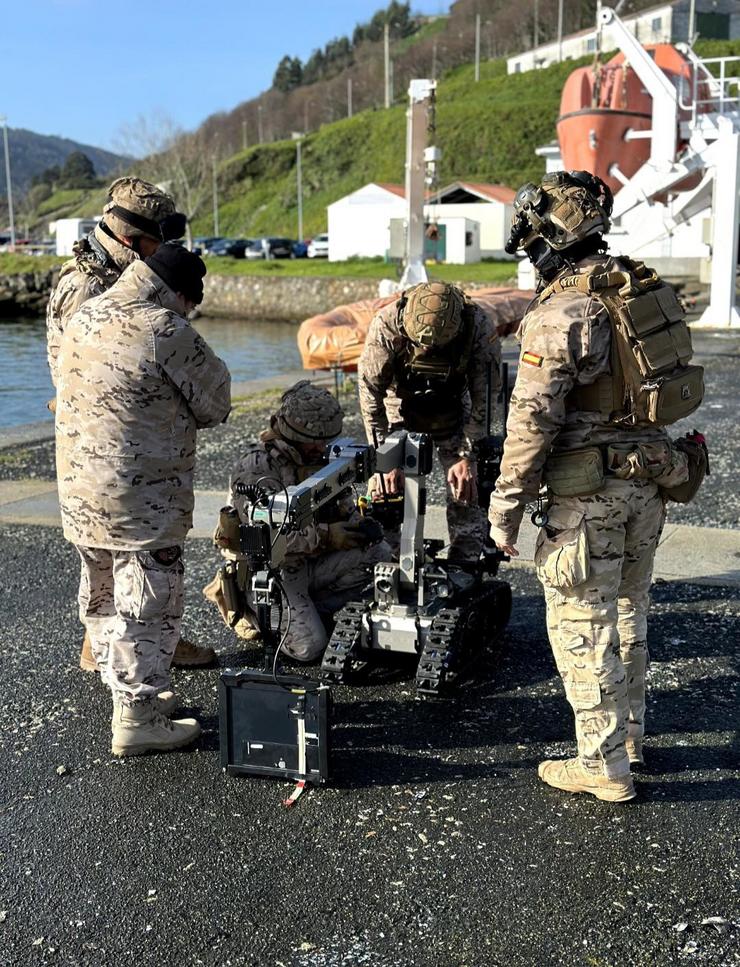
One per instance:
(714, 86)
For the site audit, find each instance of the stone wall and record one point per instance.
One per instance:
(26, 293)
(231, 296)
(292, 299)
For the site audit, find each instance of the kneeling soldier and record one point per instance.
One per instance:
(328, 564)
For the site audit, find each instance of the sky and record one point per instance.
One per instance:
(86, 69)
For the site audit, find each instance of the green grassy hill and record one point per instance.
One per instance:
(487, 131)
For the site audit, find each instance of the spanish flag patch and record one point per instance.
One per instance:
(533, 359)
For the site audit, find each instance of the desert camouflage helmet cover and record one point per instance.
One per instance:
(308, 414)
(565, 208)
(432, 313)
(143, 201)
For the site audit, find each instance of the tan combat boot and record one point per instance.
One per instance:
(142, 728)
(569, 774)
(165, 702)
(188, 655)
(87, 659)
(633, 748)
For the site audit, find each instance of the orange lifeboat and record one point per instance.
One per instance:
(600, 104)
(336, 338)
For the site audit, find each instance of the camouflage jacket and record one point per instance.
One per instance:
(275, 459)
(82, 277)
(379, 401)
(565, 342)
(135, 382)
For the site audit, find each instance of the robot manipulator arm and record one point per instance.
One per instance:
(271, 516)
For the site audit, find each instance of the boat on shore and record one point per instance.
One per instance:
(336, 338)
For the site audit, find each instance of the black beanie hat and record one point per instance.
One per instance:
(181, 270)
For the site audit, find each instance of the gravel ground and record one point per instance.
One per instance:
(717, 505)
(435, 845)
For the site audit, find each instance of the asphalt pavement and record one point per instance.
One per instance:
(434, 845)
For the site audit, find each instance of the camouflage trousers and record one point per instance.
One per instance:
(317, 587)
(131, 604)
(595, 562)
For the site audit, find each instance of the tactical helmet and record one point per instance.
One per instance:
(564, 209)
(431, 313)
(137, 207)
(307, 414)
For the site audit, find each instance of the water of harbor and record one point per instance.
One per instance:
(252, 350)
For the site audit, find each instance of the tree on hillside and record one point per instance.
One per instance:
(180, 162)
(314, 69)
(289, 74)
(77, 172)
(396, 15)
(49, 176)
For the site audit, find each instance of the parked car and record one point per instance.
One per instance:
(211, 243)
(270, 248)
(230, 246)
(201, 244)
(318, 247)
(300, 250)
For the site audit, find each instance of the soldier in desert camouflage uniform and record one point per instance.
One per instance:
(425, 367)
(327, 564)
(594, 556)
(136, 220)
(134, 383)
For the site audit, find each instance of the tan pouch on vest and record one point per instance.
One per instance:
(561, 553)
(698, 468)
(575, 474)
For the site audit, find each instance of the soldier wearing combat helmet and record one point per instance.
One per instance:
(587, 421)
(329, 562)
(136, 384)
(137, 219)
(424, 368)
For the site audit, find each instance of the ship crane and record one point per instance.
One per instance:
(703, 115)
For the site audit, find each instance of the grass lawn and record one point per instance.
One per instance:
(13, 263)
(497, 273)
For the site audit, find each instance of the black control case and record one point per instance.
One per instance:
(259, 726)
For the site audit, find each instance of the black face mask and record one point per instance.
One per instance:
(547, 261)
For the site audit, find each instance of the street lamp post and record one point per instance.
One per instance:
(298, 137)
(215, 198)
(8, 183)
(477, 47)
(387, 61)
(560, 31)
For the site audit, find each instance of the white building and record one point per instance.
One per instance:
(667, 23)
(359, 223)
(489, 205)
(476, 218)
(71, 230)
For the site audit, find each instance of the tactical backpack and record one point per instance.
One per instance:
(651, 380)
